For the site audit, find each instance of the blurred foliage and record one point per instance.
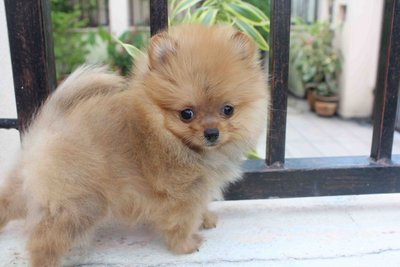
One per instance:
(123, 49)
(253, 154)
(72, 39)
(264, 6)
(71, 43)
(241, 14)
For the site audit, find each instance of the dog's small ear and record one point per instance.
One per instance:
(245, 46)
(161, 48)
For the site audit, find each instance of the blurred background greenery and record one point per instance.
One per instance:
(82, 34)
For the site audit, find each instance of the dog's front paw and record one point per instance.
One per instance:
(187, 246)
(209, 220)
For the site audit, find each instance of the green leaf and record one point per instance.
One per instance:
(183, 5)
(91, 38)
(247, 12)
(265, 27)
(252, 32)
(188, 17)
(133, 51)
(255, 9)
(198, 13)
(253, 155)
(209, 2)
(172, 3)
(105, 35)
(208, 16)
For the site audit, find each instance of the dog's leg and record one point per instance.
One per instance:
(57, 230)
(180, 229)
(209, 220)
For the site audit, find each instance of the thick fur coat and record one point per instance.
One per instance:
(102, 144)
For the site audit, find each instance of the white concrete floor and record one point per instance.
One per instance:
(362, 231)
(309, 135)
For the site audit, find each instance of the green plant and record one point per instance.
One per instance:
(122, 50)
(314, 57)
(264, 6)
(242, 15)
(70, 43)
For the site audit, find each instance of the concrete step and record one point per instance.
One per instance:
(322, 231)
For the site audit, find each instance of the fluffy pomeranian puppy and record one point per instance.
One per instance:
(154, 148)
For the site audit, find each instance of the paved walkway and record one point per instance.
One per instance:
(309, 135)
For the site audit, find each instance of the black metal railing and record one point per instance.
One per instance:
(32, 56)
(33, 70)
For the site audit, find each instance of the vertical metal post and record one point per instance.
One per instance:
(158, 16)
(387, 83)
(32, 56)
(278, 67)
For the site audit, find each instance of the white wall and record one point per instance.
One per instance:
(323, 10)
(9, 139)
(361, 42)
(359, 38)
(7, 99)
(119, 16)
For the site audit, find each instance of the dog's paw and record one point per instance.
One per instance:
(209, 220)
(187, 246)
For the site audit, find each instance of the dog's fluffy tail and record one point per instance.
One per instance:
(85, 82)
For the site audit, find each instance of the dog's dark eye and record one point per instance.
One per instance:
(228, 110)
(187, 115)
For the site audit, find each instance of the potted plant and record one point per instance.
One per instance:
(326, 98)
(317, 64)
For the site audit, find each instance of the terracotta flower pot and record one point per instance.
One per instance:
(311, 98)
(311, 94)
(326, 106)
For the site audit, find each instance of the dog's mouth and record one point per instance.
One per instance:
(211, 144)
(204, 145)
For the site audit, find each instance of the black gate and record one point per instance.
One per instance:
(29, 29)
(397, 125)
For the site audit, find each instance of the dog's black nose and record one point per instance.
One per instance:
(211, 134)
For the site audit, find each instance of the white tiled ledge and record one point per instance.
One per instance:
(323, 231)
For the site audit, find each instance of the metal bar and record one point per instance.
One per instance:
(32, 57)
(397, 123)
(387, 83)
(278, 67)
(9, 123)
(158, 16)
(316, 7)
(316, 177)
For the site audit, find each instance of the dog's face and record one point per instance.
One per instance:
(208, 85)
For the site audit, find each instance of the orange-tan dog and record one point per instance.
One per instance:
(155, 148)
